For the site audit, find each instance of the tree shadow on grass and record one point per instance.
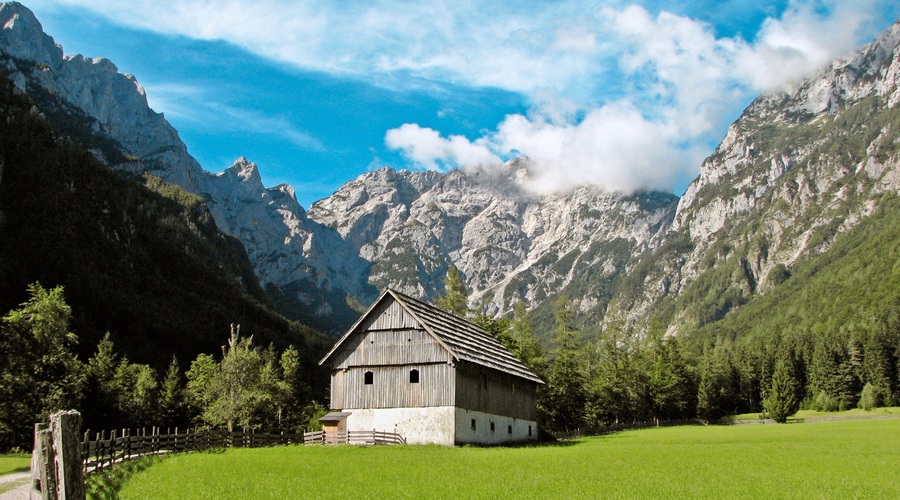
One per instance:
(106, 484)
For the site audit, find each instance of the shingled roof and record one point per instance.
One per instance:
(464, 340)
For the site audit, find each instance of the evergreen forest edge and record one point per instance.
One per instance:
(147, 277)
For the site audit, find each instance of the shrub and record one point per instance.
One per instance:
(872, 397)
(826, 402)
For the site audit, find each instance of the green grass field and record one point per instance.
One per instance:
(850, 459)
(10, 463)
(14, 462)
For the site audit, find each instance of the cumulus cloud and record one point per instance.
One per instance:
(429, 149)
(614, 147)
(683, 84)
(622, 97)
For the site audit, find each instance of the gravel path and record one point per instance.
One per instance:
(22, 483)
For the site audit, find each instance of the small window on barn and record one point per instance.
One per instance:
(529, 431)
(492, 427)
(473, 424)
(509, 429)
(368, 378)
(414, 376)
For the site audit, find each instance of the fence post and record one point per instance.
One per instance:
(112, 447)
(85, 450)
(66, 428)
(43, 471)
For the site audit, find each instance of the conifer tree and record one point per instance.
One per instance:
(564, 396)
(525, 343)
(456, 295)
(782, 399)
(171, 398)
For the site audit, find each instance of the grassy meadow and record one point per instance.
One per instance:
(10, 463)
(843, 459)
(14, 462)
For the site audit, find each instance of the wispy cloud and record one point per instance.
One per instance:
(194, 103)
(623, 96)
(680, 83)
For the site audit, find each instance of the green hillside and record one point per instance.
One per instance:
(137, 257)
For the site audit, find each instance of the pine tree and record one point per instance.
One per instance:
(525, 343)
(171, 398)
(456, 295)
(564, 396)
(879, 366)
(719, 386)
(668, 382)
(782, 399)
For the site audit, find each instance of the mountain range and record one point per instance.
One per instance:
(799, 168)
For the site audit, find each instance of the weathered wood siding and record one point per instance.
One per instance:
(390, 336)
(390, 343)
(390, 347)
(503, 395)
(389, 315)
(391, 388)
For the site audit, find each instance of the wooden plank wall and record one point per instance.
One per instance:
(505, 394)
(391, 387)
(390, 336)
(389, 315)
(391, 347)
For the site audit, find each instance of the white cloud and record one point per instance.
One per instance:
(683, 85)
(803, 39)
(613, 147)
(430, 150)
(620, 94)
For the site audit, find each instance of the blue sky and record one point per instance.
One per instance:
(623, 95)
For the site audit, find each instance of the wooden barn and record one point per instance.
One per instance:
(411, 368)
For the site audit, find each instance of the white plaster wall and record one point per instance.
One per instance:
(432, 425)
(483, 434)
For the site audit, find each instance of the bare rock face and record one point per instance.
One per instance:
(509, 245)
(284, 245)
(23, 37)
(117, 102)
(797, 167)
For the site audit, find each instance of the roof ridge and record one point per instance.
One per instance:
(493, 354)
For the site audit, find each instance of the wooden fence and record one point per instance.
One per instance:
(353, 437)
(109, 448)
(106, 449)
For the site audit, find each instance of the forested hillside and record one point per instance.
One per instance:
(796, 170)
(137, 258)
(825, 335)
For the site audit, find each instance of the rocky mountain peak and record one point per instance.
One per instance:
(243, 171)
(798, 167)
(23, 37)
